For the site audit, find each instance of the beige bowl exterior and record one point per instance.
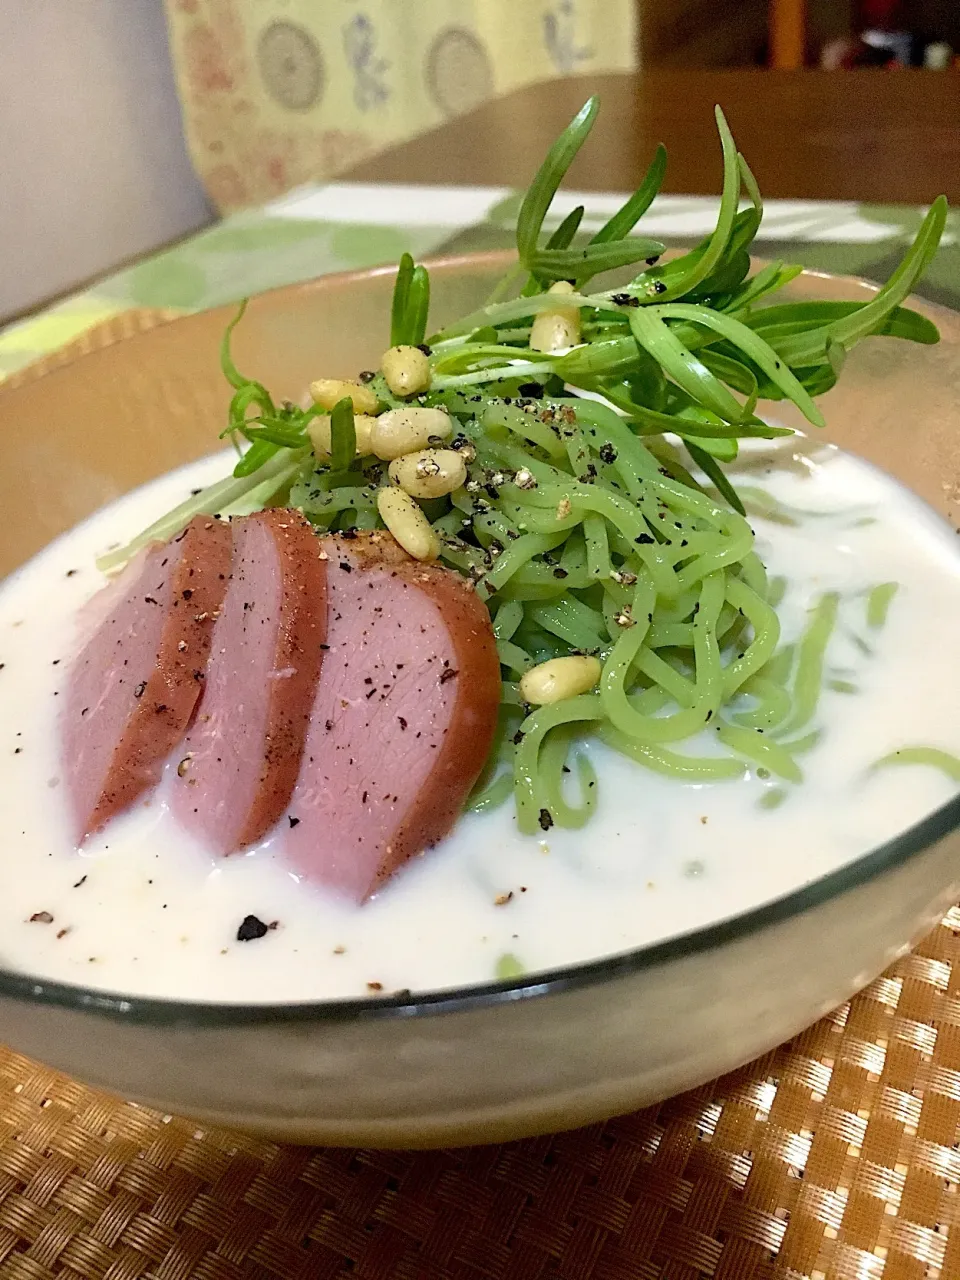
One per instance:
(514, 1059)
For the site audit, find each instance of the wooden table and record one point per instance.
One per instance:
(875, 136)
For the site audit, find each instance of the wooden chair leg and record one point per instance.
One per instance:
(788, 26)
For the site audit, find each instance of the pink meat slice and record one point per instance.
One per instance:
(241, 756)
(133, 687)
(403, 721)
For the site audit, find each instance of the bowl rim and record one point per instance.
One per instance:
(26, 988)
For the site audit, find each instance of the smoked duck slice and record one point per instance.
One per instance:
(403, 720)
(241, 756)
(134, 685)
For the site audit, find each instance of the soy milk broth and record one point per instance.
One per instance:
(144, 910)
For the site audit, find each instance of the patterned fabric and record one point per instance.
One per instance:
(280, 92)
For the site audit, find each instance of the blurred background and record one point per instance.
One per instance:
(832, 34)
(127, 124)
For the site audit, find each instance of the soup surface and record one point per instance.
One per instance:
(143, 909)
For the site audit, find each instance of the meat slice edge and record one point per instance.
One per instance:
(134, 685)
(242, 754)
(403, 721)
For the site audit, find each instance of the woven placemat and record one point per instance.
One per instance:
(104, 333)
(834, 1157)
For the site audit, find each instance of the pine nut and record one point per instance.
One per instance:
(318, 429)
(406, 370)
(559, 678)
(559, 329)
(400, 431)
(407, 523)
(327, 392)
(429, 473)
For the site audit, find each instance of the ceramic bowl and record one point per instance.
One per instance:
(548, 1051)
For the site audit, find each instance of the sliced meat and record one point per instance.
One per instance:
(403, 720)
(132, 689)
(241, 757)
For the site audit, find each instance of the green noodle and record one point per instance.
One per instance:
(812, 649)
(598, 549)
(945, 761)
(532, 801)
(508, 966)
(764, 751)
(495, 784)
(843, 686)
(513, 657)
(671, 763)
(553, 764)
(797, 746)
(708, 689)
(773, 704)
(878, 603)
(766, 633)
(772, 799)
(508, 618)
(495, 794)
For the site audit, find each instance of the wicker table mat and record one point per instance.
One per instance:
(836, 1156)
(102, 334)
